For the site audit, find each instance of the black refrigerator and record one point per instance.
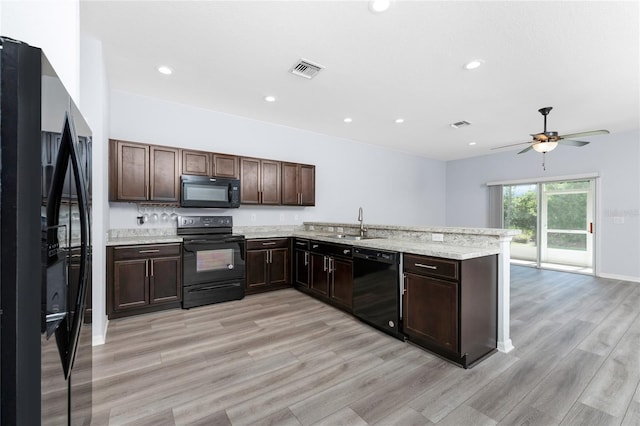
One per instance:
(45, 245)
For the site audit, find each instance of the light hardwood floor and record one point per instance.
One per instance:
(283, 358)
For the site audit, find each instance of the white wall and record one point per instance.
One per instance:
(391, 186)
(53, 26)
(94, 97)
(616, 157)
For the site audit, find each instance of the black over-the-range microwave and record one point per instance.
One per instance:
(204, 191)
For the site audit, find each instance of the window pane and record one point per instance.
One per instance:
(567, 211)
(558, 240)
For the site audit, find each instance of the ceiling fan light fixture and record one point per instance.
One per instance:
(544, 147)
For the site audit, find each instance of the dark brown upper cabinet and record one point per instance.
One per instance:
(140, 172)
(202, 163)
(164, 178)
(196, 163)
(259, 181)
(298, 184)
(226, 166)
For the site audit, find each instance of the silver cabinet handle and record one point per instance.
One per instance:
(306, 258)
(146, 268)
(300, 243)
(403, 283)
(346, 251)
(269, 244)
(332, 263)
(149, 251)
(324, 268)
(314, 246)
(151, 263)
(426, 266)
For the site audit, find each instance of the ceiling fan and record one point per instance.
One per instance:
(548, 140)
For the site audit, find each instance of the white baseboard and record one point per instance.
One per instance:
(505, 346)
(620, 277)
(100, 340)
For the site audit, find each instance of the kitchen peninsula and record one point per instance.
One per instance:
(454, 245)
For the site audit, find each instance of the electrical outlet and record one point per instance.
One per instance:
(253, 217)
(339, 229)
(330, 229)
(437, 237)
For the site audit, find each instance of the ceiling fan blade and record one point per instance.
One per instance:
(572, 142)
(591, 133)
(526, 149)
(507, 146)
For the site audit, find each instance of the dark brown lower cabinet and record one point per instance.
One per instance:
(267, 264)
(331, 274)
(301, 262)
(143, 278)
(451, 307)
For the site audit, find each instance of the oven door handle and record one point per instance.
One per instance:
(212, 287)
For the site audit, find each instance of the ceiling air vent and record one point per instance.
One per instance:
(306, 69)
(459, 124)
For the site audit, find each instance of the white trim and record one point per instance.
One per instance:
(581, 176)
(620, 277)
(101, 340)
(504, 297)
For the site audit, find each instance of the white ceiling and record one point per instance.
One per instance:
(581, 57)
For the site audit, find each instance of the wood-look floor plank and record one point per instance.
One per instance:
(584, 415)
(615, 383)
(343, 417)
(559, 390)
(284, 358)
(320, 404)
(465, 415)
(405, 416)
(444, 395)
(497, 399)
(609, 332)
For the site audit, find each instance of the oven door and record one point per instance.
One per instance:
(207, 260)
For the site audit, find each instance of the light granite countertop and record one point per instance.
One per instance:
(142, 239)
(448, 251)
(444, 250)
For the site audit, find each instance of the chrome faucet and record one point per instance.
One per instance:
(362, 228)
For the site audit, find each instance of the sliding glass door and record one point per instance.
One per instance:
(556, 220)
(520, 211)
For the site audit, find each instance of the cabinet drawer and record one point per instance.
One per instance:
(431, 266)
(267, 244)
(301, 244)
(339, 250)
(146, 251)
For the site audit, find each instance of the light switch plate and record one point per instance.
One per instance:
(437, 237)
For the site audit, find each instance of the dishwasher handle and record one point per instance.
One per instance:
(376, 256)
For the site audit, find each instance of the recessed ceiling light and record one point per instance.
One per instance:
(163, 69)
(472, 143)
(473, 64)
(399, 120)
(379, 5)
(270, 98)
(348, 120)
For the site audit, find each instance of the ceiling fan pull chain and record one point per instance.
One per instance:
(543, 161)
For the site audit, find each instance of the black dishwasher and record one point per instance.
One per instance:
(376, 289)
